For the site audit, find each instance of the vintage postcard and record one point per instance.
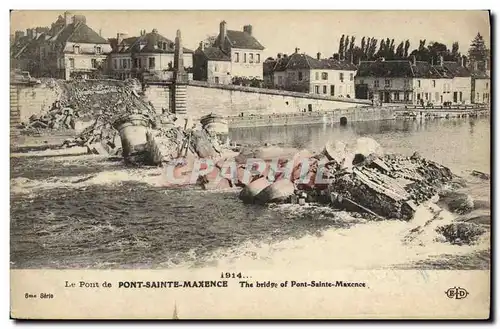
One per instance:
(250, 164)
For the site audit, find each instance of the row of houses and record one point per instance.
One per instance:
(417, 82)
(70, 48)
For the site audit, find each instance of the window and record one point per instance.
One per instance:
(407, 95)
(396, 96)
(72, 64)
(332, 90)
(351, 77)
(341, 76)
(324, 90)
(418, 96)
(437, 96)
(251, 58)
(324, 76)
(216, 68)
(217, 80)
(236, 57)
(361, 82)
(316, 89)
(426, 96)
(115, 64)
(460, 96)
(280, 80)
(244, 57)
(300, 76)
(340, 90)
(317, 75)
(98, 50)
(434, 83)
(94, 63)
(376, 84)
(258, 58)
(124, 64)
(76, 49)
(387, 82)
(477, 96)
(486, 84)
(406, 83)
(151, 62)
(418, 83)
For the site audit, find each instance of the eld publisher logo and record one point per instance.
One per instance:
(457, 293)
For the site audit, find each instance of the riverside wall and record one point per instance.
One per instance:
(241, 106)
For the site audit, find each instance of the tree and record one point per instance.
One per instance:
(407, 47)
(346, 45)
(210, 40)
(400, 51)
(454, 51)
(341, 46)
(381, 50)
(363, 45)
(478, 51)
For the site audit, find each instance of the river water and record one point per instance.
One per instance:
(92, 212)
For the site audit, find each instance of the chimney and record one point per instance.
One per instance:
(202, 45)
(67, 18)
(247, 29)
(297, 50)
(100, 32)
(318, 56)
(351, 58)
(280, 55)
(222, 34)
(414, 59)
(120, 37)
(154, 31)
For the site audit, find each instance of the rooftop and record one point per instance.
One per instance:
(213, 54)
(408, 69)
(298, 61)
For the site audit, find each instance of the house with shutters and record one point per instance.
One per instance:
(211, 64)
(244, 50)
(73, 49)
(69, 48)
(149, 55)
(323, 76)
(414, 82)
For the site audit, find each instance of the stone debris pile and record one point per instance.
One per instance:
(360, 179)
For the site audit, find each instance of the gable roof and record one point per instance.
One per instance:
(79, 33)
(406, 69)
(213, 54)
(479, 74)
(243, 40)
(298, 61)
(152, 42)
(457, 70)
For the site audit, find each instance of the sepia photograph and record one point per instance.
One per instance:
(304, 143)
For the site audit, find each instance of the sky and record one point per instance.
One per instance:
(283, 31)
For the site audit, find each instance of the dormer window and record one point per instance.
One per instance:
(98, 49)
(76, 49)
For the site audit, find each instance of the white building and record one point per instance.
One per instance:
(413, 82)
(243, 49)
(303, 73)
(148, 54)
